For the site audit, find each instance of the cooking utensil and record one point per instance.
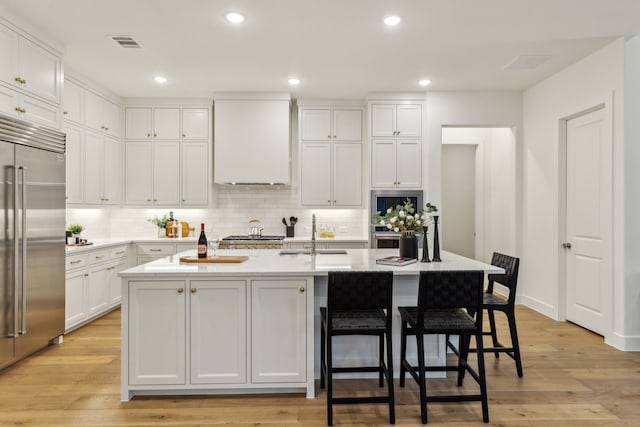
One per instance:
(293, 220)
(284, 221)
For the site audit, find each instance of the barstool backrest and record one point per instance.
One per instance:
(353, 290)
(510, 278)
(450, 290)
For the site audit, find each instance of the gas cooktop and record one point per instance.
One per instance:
(247, 237)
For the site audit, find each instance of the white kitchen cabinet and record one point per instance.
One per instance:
(404, 120)
(102, 165)
(98, 289)
(157, 335)
(278, 331)
(152, 173)
(73, 102)
(195, 173)
(166, 123)
(331, 174)
(195, 124)
(396, 163)
(218, 331)
(101, 114)
(138, 123)
(28, 66)
(114, 282)
(138, 172)
(25, 107)
(166, 173)
(75, 307)
(74, 187)
(336, 124)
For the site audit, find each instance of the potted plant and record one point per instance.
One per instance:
(75, 229)
(161, 223)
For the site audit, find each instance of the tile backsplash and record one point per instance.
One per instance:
(229, 213)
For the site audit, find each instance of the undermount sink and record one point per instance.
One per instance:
(308, 251)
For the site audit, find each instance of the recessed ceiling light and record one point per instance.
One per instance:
(392, 20)
(235, 17)
(160, 79)
(294, 81)
(424, 82)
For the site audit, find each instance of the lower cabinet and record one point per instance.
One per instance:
(219, 333)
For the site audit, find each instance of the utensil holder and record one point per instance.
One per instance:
(290, 231)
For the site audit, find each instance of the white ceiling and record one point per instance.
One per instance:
(338, 48)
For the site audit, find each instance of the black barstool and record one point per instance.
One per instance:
(358, 303)
(446, 303)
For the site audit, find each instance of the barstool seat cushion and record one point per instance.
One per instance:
(491, 299)
(441, 320)
(360, 320)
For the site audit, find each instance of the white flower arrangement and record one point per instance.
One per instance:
(405, 218)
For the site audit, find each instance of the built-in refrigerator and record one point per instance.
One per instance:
(32, 238)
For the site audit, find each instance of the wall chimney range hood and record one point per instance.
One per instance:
(252, 138)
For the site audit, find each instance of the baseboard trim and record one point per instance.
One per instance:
(539, 306)
(624, 343)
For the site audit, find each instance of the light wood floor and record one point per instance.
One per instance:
(571, 378)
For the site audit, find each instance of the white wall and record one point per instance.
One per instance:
(631, 298)
(585, 84)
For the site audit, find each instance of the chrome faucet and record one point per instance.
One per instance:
(313, 234)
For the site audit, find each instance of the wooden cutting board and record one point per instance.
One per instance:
(230, 259)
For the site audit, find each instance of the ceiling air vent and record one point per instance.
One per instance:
(526, 62)
(127, 42)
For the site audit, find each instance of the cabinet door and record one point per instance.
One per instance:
(383, 120)
(315, 174)
(278, 331)
(38, 111)
(115, 283)
(195, 173)
(347, 125)
(166, 123)
(93, 110)
(9, 100)
(74, 298)
(111, 118)
(72, 108)
(112, 171)
(138, 173)
(195, 123)
(9, 53)
(166, 172)
(409, 164)
(347, 174)
(74, 162)
(41, 69)
(93, 162)
(409, 120)
(157, 332)
(137, 123)
(218, 332)
(316, 125)
(98, 290)
(383, 163)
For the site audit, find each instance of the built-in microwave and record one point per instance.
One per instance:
(381, 200)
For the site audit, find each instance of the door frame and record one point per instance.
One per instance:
(605, 103)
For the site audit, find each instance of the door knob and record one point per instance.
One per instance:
(566, 245)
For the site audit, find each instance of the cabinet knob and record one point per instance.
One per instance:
(106, 128)
(329, 136)
(334, 137)
(334, 201)
(148, 135)
(328, 201)
(64, 113)
(86, 274)
(180, 290)
(155, 200)
(21, 80)
(184, 136)
(148, 200)
(193, 290)
(155, 134)
(301, 290)
(183, 200)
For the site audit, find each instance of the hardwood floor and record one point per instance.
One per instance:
(571, 378)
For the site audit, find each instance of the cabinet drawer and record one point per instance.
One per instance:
(96, 257)
(119, 252)
(156, 249)
(75, 261)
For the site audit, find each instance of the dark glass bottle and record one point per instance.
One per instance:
(202, 243)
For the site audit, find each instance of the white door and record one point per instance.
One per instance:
(347, 174)
(347, 125)
(588, 192)
(458, 198)
(315, 175)
(278, 331)
(218, 332)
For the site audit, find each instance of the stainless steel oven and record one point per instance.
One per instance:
(381, 200)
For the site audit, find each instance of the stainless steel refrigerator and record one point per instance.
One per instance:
(32, 241)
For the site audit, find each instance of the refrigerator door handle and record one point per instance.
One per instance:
(23, 236)
(16, 300)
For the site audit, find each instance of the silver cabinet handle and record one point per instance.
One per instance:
(99, 256)
(155, 250)
(75, 262)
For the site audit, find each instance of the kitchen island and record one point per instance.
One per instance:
(249, 327)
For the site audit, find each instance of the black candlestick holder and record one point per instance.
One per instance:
(425, 247)
(436, 240)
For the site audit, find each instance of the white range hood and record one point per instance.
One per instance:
(251, 138)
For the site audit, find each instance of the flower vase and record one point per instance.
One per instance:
(436, 241)
(425, 248)
(409, 244)
(162, 232)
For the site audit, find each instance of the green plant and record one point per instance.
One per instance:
(75, 228)
(160, 222)
(406, 218)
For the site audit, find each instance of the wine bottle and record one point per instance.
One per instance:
(202, 243)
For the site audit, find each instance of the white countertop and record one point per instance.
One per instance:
(327, 239)
(268, 262)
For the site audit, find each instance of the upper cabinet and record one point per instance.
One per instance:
(166, 123)
(73, 102)
(101, 114)
(29, 67)
(195, 124)
(324, 124)
(396, 144)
